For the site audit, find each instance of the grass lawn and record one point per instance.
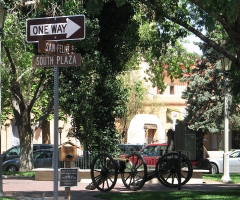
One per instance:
(235, 178)
(181, 195)
(173, 195)
(26, 174)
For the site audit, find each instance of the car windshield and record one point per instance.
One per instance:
(126, 149)
(38, 154)
(134, 148)
(154, 151)
(235, 154)
(14, 151)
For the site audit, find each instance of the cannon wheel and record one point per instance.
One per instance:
(167, 169)
(135, 173)
(104, 172)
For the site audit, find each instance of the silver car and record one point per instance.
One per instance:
(234, 163)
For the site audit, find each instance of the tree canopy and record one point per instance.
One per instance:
(205, 95)
(214, 22)
(117, 33)
(94, 89)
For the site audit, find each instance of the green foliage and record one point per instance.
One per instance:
(205, 96)
(21, 71)
(91, 98)
(169, 64)
(92, 94)
(135, 96)
(118, 34)
(176, 18)
(95, 6)
(28, 92)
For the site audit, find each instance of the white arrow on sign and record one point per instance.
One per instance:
(68, 28)
(71, 28)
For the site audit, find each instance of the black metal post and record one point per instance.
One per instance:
(179, 169)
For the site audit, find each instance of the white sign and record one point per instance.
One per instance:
(67, 28)
(56, 28)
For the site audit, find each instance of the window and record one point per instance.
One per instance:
(236, 140)
(171, 89)
(235, 155)
(14, 151)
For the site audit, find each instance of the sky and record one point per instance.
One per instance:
(190, 46)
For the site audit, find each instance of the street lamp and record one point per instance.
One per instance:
(226, 63)
(3, 12)
(60, 133)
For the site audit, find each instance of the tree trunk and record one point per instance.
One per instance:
(26, 138)
(46, 132)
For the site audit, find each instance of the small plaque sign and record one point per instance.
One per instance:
(68, 177)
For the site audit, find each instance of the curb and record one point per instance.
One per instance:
(17, 177)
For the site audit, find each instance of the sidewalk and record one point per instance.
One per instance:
(35, 189)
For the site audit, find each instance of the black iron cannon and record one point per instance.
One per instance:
(173, 169)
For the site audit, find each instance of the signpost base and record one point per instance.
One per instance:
(67, 189)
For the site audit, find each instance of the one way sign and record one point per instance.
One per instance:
(56, 28)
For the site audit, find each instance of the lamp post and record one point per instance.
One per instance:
(226, 63)
(60, 134)
(3, 12)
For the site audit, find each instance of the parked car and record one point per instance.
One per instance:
(152, 152)
(43, 158)
(126, 149)
(234, 163)
(14, 152)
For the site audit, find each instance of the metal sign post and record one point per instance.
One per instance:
(55, 153)
(59, 55)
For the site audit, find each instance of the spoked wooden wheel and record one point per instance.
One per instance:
(167, 169)
(104, 172)
(135, 173)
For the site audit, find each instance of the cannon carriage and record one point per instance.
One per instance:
(172, 169)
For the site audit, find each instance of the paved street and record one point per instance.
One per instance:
(34, 189)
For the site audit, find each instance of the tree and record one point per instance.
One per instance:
(92, 94)
(171, 63)
(195, 16)
(205, 96)
(175, 19)
(29, 90)
(26, 90)
(136, 96)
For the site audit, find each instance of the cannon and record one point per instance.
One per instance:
(172, 169)
(105, 171)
